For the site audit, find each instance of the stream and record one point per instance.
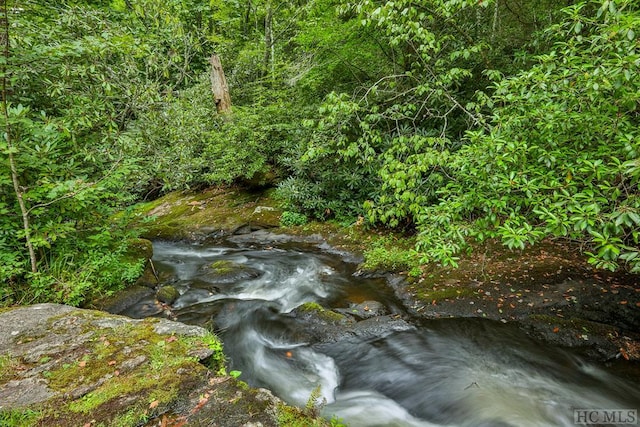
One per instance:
(450, 372)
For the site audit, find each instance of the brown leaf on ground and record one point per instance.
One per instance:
(624, 354)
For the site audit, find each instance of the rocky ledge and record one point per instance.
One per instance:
(65, 366)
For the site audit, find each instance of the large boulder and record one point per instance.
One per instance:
(64, 366)
(211, 213)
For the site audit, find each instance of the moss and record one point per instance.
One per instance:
(290, 416)
(217, 361)
(139, 248)
(134, 416)
(18, 417)
(7, 368)
(573, 324)
(164, 372)
(317, 310)
(392, 255)
(444, 293)
(223, 267)
(167, 294)
(180, 215)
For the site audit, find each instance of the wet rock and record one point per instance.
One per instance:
(243, 229)
(225, 272)
(365, 310)
(167, 294)
(319, 326)
(124, 299)
(265, 238)
(140, 248)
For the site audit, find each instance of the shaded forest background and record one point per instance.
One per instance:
(452, 120)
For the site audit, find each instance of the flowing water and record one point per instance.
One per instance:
(454, 372)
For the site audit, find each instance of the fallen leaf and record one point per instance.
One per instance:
(172, 338)
(624, 354)
(556, 330)
(82, 364)
(112, 362)
(154, 404)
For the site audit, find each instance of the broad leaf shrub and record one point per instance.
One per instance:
(562, 156)
(289, 219)
(77, 75)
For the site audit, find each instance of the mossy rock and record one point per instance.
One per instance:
(124, 299)
(316, 310)
(167, 294)
(212, 212)
(225, 272)
(140, 248)
(68, 367)
(365, 310)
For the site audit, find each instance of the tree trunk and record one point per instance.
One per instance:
(494, 26)
(268, 39)
(4, 41)
(219, 86)
(247, 18)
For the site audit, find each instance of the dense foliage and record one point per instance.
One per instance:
(460, 120)
(561, 158)
(77, 76)
(462, 143)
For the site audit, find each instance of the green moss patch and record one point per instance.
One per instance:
(81, 367)
(444, 293)
(322, 313)
(181, 215)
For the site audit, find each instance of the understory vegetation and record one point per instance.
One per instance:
(454, 121)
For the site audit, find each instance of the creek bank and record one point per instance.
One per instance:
(65, 366)
(548, 289)
(211, 213)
